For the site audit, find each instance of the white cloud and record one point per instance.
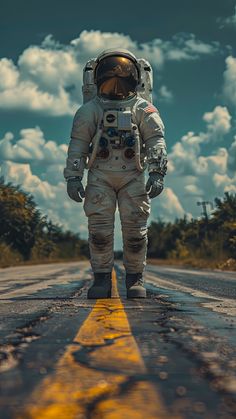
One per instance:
(218, 123)
(47, 81)
(192, 189)
(91, 43)
(48, 78)
(223, 181)
(186, 47)
(21, 174)
(9, 74)
(167, 206)
(197, 174)
(31, 147)
(165, 95)
(229, 88)
(183, 46)
(184, 153)
(232, 157)
(217, 161)
(50, 69)
(185, 157)
(27, 96)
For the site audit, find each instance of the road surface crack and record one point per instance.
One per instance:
(215, 357)
(12, 351)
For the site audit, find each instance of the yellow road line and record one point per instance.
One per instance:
(95, 377)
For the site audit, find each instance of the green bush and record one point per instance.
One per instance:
(8, 256)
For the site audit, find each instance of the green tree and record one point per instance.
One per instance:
(19, 218)
(213, 239)
(24, 229)
(224, 222)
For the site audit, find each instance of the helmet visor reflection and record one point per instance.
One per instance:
(117, 78)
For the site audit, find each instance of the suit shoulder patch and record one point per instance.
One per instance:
(148, 107)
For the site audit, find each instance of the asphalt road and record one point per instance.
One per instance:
(170, 356)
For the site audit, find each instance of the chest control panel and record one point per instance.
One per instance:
(121, 120)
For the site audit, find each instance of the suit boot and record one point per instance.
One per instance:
(101, 287)
(134, 285)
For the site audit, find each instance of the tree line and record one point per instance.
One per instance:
(212, 238)
(26, 234)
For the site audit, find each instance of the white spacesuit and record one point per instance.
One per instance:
(116, 135)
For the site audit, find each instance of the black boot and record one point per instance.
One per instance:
(134, 285)
(101, 287)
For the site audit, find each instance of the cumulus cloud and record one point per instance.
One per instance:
(229, 87)
(231, 162)
(223, 181)
(218, 123)
(186, 47)
(48, 78)
(196, 174)
(185, 156)
(31, 147)
(183, 46)
(49, 68)
(20, 92)
(91, 43)
(167, 206)
(192, 189)
(9, 74)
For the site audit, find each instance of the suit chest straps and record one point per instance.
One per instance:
(118, 134)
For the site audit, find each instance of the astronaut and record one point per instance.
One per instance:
(117, 134)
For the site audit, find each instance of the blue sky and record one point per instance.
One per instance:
(191, 46)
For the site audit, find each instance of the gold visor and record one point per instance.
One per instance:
(116, 77)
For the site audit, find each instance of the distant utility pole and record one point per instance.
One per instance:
(204, 208)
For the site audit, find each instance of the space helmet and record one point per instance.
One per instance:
(117, 74)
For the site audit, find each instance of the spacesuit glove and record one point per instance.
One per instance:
(155, 184)
(75, 188)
